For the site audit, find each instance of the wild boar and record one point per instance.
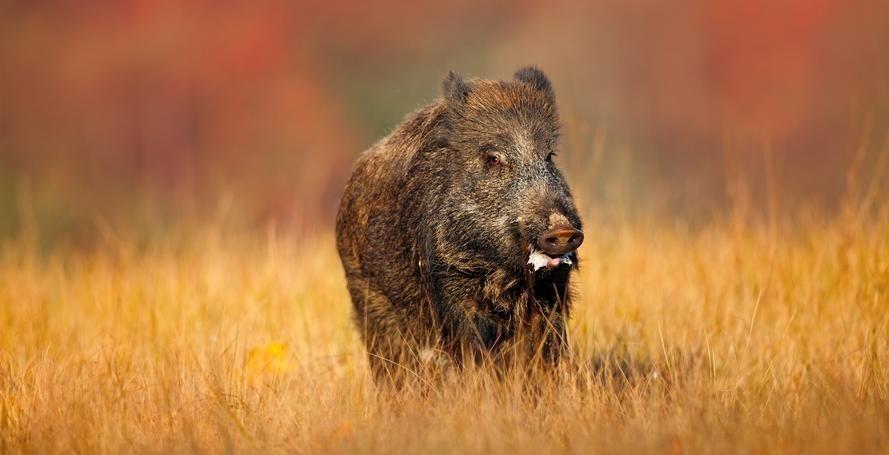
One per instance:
(458, 233)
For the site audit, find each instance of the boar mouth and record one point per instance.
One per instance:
(539, 260)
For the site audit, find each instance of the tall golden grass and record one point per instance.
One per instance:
(735, 337)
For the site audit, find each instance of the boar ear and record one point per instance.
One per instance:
(454, 88)
(532, 76)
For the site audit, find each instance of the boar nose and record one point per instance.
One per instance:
(559, 241)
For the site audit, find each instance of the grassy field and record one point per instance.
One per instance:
(735, 337)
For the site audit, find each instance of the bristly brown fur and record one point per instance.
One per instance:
(434, 226)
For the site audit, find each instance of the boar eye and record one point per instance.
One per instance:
(492, 160)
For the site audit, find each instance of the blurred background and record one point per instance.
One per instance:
(155, 112)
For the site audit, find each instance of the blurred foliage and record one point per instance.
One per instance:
(143, 110)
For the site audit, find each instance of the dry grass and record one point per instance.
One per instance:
(732, 339)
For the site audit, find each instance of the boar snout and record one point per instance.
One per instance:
(560, 240)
